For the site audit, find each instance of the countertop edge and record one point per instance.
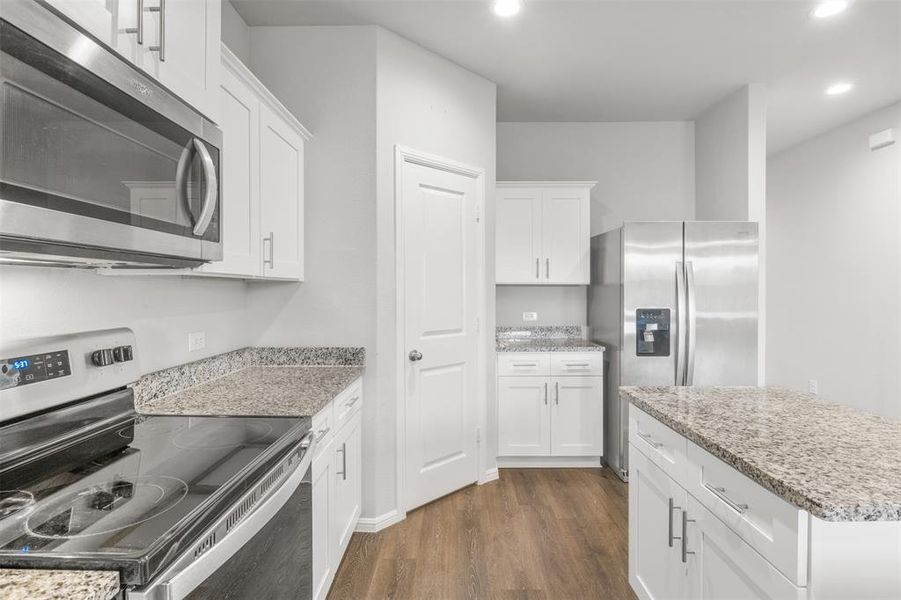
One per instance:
(58, 584)
(831, 513)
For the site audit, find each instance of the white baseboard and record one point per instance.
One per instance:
(375, 524)
(549, 462)
(489, 475)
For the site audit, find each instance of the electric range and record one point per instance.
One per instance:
(168, 501)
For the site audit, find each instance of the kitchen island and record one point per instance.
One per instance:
(763, 492)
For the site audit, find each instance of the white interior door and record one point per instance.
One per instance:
(438, 222)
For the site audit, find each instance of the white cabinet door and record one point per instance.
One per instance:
(240, 180)
(577, 416)
(183, 53)
(323, 518)
(565, 236)
(523, 417)
(722, 565)
(97, 17)
(281, 197)
(656, 502)
(347, 457)
(517, 243)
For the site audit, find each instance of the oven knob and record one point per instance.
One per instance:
(123, 353)
(102, 358)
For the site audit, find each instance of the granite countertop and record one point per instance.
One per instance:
(544, 338)
(836, 462)
(40, 584)
(283, 391)
(548, 345)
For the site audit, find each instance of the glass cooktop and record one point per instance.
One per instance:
(151, 484)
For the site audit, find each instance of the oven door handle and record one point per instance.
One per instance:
(179, 581)
(211, 198)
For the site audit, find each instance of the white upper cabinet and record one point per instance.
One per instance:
(181, 40)
(175, 41)
(263, 181)
(543, 232)
(281, 192)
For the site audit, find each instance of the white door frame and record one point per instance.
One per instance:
(404, 155)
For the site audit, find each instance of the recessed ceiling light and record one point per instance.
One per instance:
(829, 8)
(507, 8)
(837, 89)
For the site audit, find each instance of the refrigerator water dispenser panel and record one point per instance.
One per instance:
(652, 326)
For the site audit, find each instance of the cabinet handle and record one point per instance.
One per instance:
(271, 260)
(351, 402)
(578, 364)
(320, 435)
(343, 451)
(140, 28)
(545, 393)
(685, 522)
(537, 272)
(547, 268)
(672, 507)
(647, 437)
(720, 492)
(162, 46)
(557, 393)
(525, 364)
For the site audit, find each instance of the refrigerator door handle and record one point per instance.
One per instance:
(679, 338)
(692, 323)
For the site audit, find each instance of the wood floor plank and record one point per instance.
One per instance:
(543, 534)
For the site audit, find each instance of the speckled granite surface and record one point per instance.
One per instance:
(554, 338)
(836, 462)
(39, 584)
(180, 378)
(289, 391)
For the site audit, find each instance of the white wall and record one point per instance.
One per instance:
(161, 310)
(428, 104)
(235, 32)
(326, 76)
(645, 172)
(730, 177)
(835, 269)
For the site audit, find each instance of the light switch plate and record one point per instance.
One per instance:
(529, 316)
(196, 341)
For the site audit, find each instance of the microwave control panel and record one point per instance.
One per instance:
(652, 327)
(23, 370)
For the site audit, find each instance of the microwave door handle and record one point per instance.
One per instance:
(211, 198)
(181, 174)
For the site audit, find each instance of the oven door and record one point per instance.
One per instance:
(90, 173)
(267, 554)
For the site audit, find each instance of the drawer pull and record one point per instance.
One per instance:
(351, 402)
(720, 492)
(578, 364)
(525, 364)
(647, 437)
(322, 433)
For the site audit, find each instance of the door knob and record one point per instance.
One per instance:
(415, 355)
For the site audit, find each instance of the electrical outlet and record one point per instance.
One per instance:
(196, 341)
(529, 316)
(813, 386)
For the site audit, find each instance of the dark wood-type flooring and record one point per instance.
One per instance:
(535, 533)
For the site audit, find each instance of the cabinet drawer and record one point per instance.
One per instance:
(659, 443)
(323, 427)
(523, 363)
(769, 524)
(347, 404)
(589, 364)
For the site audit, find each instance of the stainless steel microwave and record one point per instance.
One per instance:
(99, 164)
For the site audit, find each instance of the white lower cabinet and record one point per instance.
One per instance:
(337, 486)
(544, 415)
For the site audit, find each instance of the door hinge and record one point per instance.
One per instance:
(478, 213)
(478, 436)
(477, 325)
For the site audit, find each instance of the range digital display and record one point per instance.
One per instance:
(22, 370)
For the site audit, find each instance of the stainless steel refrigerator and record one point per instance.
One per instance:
(675, 303)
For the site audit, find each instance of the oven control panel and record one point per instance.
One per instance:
(22, 370)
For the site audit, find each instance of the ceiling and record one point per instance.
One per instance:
(633, 60)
